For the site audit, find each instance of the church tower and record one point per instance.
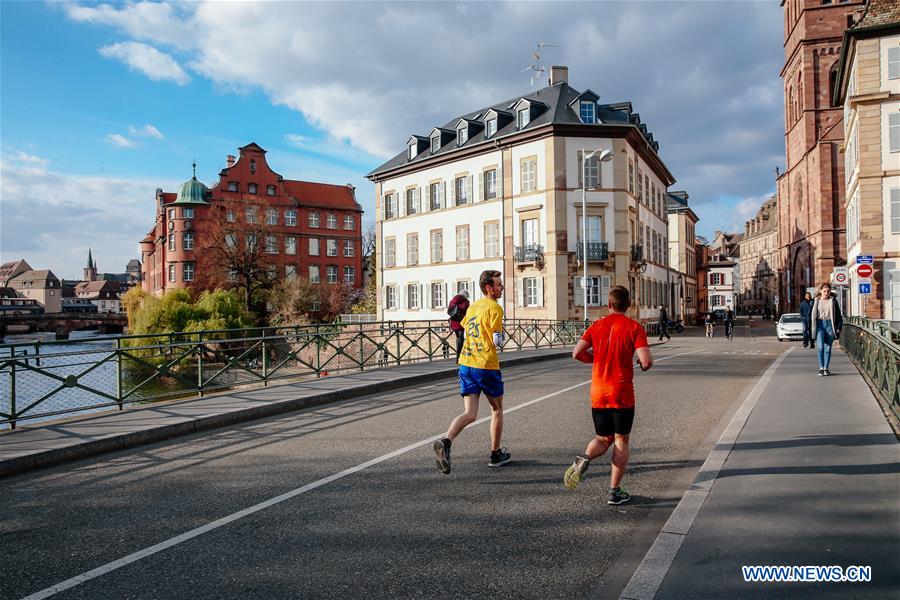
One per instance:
(811, 190)
(90, 271)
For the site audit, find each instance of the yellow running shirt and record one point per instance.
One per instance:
(483, 319)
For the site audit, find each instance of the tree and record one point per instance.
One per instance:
(177, 311)
(367, 302)
(232, 253)
(292, 300)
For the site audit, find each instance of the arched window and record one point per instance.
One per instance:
(832, 80)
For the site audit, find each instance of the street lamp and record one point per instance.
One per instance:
(604, 156)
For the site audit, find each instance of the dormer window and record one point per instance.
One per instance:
(462, 136)
(435, 144)
(491, 127)
(587, 112)
(523, 117)
(413, 150)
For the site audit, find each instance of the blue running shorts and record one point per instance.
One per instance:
(474, 381)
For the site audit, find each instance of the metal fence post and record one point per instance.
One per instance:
(12, 389)
(37, 353)
(200, 370)
(119, 374)
(265, 362)
(397, 333)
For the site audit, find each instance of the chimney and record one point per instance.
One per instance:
(229, 160)
(559, 75)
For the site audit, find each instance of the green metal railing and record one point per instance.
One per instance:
(46, 379)
(875, 348)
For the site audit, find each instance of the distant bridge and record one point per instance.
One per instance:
(62, 324)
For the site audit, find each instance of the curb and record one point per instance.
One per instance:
(116, 442)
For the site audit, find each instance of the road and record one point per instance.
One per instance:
(367, 514)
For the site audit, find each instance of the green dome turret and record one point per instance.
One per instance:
(192, 192)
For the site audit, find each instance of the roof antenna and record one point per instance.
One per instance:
(536, 68)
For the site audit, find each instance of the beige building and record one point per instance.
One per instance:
(868, 87)
(41, 285)
(682, 255)
(759, 256)
(501, 188)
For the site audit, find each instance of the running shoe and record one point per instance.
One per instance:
(575, 474)
(617, 496)
(821, 372)
(827, 373)
(442, 452)
(499, 457)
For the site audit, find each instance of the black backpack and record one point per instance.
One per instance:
(455, 313)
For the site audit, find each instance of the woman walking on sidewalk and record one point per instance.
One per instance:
(826, 323)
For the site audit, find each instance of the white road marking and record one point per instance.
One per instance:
(188, 535)
(645, 582)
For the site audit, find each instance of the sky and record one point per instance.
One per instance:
(102, 103)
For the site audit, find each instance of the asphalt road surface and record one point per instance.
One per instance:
(367, 513)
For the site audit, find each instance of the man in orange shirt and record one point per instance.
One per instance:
(610, 344)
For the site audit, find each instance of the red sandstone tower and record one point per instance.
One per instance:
(811, 190)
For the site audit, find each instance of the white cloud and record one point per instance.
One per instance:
(31, 159)
(75, 211)
(146, 131)
(156, 65)
(120, 140)
(704, 76)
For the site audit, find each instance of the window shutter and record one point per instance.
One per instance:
(604, 290)
(480, 197)
(402, 301)
(452, 193)
(578, 293)
(580, 168)
(426, 297)
(427, 205)
(469, 195)
(540, 291)
(419, 198)
(443, 189)
(384, 297)
(520, 292)
(445, 298)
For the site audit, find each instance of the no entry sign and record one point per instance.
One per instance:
(864, 271)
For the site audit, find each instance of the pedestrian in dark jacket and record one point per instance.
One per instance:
(827, 322)
(806, 314)
(457, 310)
(663, 323)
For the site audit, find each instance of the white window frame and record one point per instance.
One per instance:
(314, 275)
(250, 215)
(271, 216)
(290, 218)
(460, 185)
(462, 136)
(390, 297)
(491, 240)
(349, 275)
(435, 143)
(531, 292)
(523, 117)
(331, 248)
(894, 62)
(271, 244)
(436, 195)
(349, 223)
(412, 296)
(290, 244)
(187, 240)
(413, 150)
(490, 128)
(390, 253)
(490, 184)
(172, 273)
(463, 245)
(437, 295)
(412, 201)
(314, 219)
(349, 249)
(314, 246)
(331, 221)
(187, 272)
(530, 234)
(331, 274)
(588, 117)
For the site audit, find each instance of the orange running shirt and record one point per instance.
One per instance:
(614, 339)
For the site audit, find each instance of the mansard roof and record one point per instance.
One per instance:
(557, 100)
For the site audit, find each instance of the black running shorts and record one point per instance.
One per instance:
(608, 421)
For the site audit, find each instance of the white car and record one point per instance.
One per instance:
(790, 327)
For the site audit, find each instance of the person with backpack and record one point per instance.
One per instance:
(457, 311)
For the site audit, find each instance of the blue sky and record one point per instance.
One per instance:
(100, 103)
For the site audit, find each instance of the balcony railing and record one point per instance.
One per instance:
(595, 250)
(529, 252)
(637, 253)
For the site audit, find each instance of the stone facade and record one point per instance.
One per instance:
(759, 254)
(869, 90)
(682, 254)
(811, 190)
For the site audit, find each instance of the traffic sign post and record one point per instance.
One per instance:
(840, 276)
(865, 288)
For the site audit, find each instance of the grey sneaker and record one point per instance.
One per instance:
(617, 496)
(575, 474)
(442, 452)
(499, 457)
(821, 372)
(826, 373)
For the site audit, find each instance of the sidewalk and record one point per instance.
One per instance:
(44, 444)
(806, 473)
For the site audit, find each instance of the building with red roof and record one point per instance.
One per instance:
(309, 229)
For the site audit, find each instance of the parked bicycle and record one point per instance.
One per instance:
(676, 326)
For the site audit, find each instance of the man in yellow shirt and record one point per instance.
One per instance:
(479, 371)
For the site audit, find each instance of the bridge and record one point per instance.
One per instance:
(62, 324)
(740, 456)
